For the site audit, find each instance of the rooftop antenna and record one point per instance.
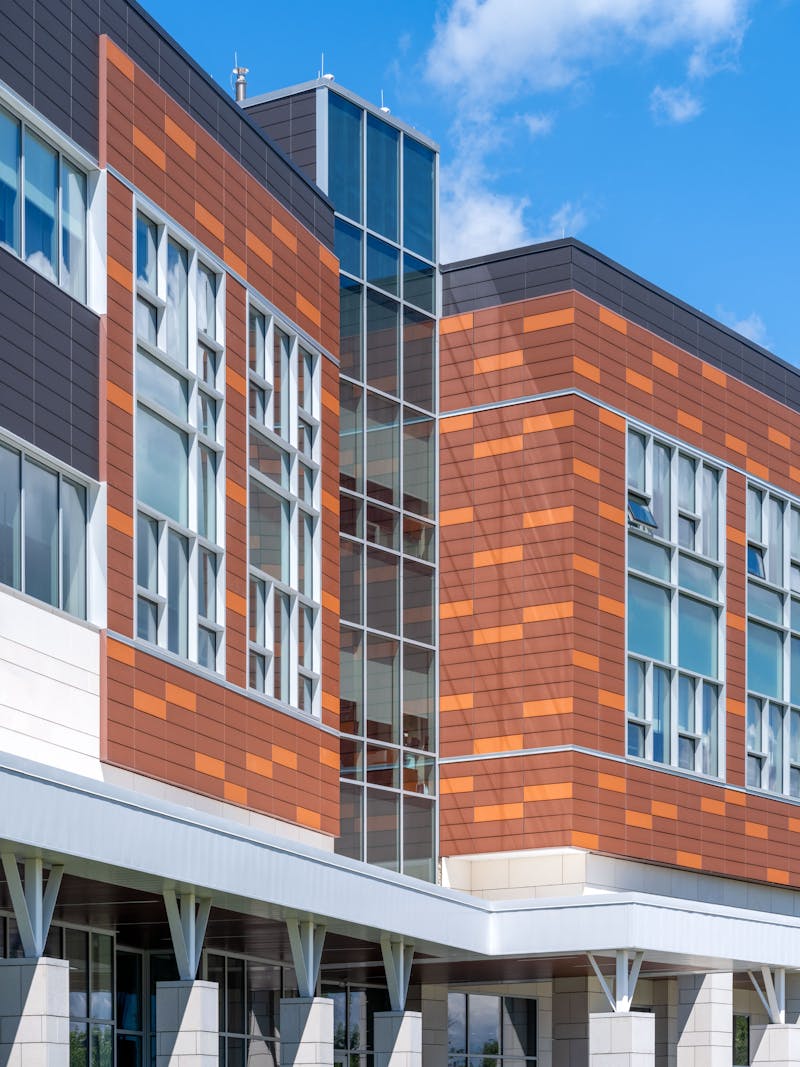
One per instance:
(240, 83)
(322, 74)
(384, 108)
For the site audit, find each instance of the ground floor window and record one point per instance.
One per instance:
(490, 1031)
(354, 1010)
(741, 1040)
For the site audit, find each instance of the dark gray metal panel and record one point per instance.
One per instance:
(291, 122)
(49, 367)
(48, 54)
(557, 266)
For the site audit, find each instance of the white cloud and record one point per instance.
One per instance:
(499, 48)
(751, 326)
(538, 125)
(675, 105)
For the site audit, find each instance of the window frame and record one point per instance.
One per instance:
(296, 437)
(705, 749)
(759, 761)
(197, 388)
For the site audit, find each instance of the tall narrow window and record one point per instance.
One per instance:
(283, 515)
(675, 582)
(179, 452)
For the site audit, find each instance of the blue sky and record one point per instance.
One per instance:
(665, 133)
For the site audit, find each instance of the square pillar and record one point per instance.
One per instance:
(622, 1039)
(776, 1045)
(398, 1038)
(705, 1020)
(34, 1012)
(187, 1024)
(306, 1032)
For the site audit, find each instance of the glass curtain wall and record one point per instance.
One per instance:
(383, 185)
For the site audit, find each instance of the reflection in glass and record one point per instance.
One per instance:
(383, 591)
(41, 533)
(102, 977)
(257, 342)
(418, 837)
(158, 383)
(146, 246)
(177, 302)
(76, 950)
(351, 681)
(383, 766)
(206, 301)
(383, 828)
(418, 538)
(350, 327)
(73, 230)
(268, 532)
(418, 595)
(177, 593)
(419, 358)
(351, 820)
(347, 247)
(419, 456)
(350, 563)
(418, 698)
(648, 619)
(351, 429)
(383, 527)
(383, 689)
(344, 156)
(73, 548)
(764, 660)
(418, 198)
(9, 181)
(383, 265)
(419, 283)
(383, 449)
(10, 527)
(697, 630)
(41, 193)
(383, 319)
(161, 465)
(382, 184)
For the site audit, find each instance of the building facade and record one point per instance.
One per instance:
(397, 661)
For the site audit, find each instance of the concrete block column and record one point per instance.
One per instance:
(398, 1038)
(34, 1012)
(775, 1045)
(622, 1039)
(187, 1024)
(705, 1020)
(306, 1032)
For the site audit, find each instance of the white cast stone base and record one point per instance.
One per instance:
(187, 1019)
(622, 1039)
(34, 1013)
(398, 1038)
(775, 1046)
(306, 1032)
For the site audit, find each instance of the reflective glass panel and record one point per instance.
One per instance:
(418, 596)
(383, 325)
(418, 696)
(765, 603)
(660, 501)
(649, 557)
(418, 837)
(419, 453)
(177, 302)
(636, 461)
(764, 660)
(257, 342)
(10, 527)
(383, 590)
(177, 593)
(697, 636)
(754, 511)
(344, 156)
(383, 766)
(383, 689)
(484, 1025)
(269, 459)
(73, 230)
(383, 527)
(101, 1004)
(419, 283)
(158, 383)
(383, 449)
(348, 244)
(207, 492)
(419, 358)
(383, 265)
(351, 821)
(709, 508)
(699, 577)
(268, 532)
(418, 538)
(41, 533)
(9, 181)
(351, 564)
(382, 180)
(41, 192)
(146, 250)
(383, 828)
(351, 682)
(350, 327)
(73, 548)
(206, 301)
(418, 198)
(661, 715)
(648, 620)
(161, 466)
